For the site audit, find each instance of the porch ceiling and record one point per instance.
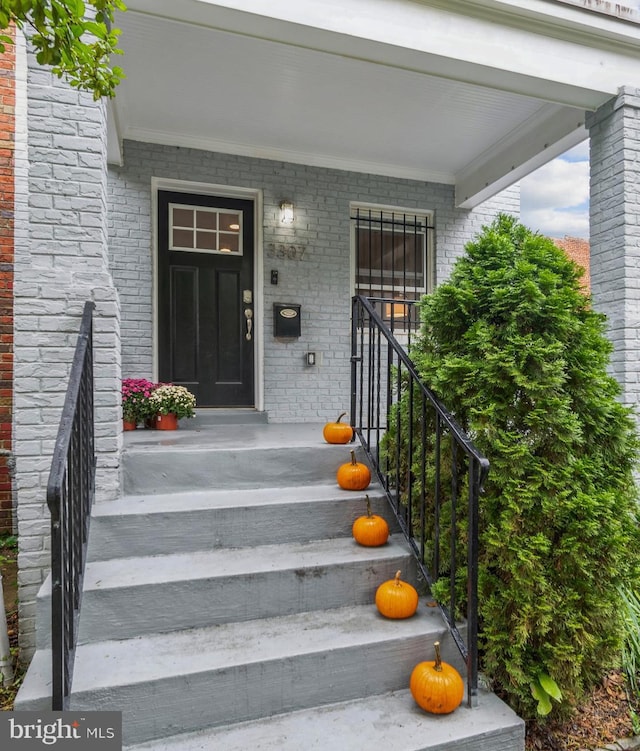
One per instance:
(229, 79)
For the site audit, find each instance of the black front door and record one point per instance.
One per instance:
(205, 297)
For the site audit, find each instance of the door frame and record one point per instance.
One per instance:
(224, 191)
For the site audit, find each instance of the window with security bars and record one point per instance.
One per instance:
(393, 260)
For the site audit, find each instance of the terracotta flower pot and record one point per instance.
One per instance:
(129, 425)
(167, 422)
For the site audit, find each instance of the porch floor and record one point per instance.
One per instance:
(221, 430)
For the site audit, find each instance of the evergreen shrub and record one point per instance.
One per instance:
(514, 349)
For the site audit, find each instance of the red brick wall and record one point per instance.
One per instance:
(7, 131)
(578, 250)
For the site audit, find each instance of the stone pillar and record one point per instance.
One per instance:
(615, 231)
(61, 261)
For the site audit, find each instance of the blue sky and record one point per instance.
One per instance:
(555, 198)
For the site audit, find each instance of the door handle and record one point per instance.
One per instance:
(248, 314)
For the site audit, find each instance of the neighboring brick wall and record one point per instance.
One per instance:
(577, 249)
(61, 262)
(614, 130)
(321, 282)
(7, 194)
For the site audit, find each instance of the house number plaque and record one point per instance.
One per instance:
(286, 251)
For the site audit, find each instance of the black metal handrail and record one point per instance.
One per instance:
(428, 467)
(70, 493)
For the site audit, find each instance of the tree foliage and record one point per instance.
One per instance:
(514, 349)
(74, 37)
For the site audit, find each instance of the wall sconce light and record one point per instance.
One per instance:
(286, 212)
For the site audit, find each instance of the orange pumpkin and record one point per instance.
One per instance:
(337, 432)
(353, 475)
(436, 686)
(396, 599)
(370, 530)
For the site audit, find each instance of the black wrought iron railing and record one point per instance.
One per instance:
(430, 470)
(70, 493)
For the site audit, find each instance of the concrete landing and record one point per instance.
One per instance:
(194, 435)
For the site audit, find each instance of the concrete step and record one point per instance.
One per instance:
(152, 524)
(128, 597)
(390, 721)
(130, 535)
(235, 457)
(172, 683)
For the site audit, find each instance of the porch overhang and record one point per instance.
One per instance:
(472, 94)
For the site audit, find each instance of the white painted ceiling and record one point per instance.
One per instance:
(192, 84)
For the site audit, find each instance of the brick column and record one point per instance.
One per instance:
(60, 262)
(7, 143)
(615, 231)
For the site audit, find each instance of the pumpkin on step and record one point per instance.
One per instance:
(370, 530)
(337, 432)
(396, 599)
(353, 475)
(436, 686)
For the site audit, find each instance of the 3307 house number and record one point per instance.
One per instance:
(284, 250)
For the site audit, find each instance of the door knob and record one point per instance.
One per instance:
(248, 314)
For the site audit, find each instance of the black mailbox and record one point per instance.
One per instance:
(286, 320)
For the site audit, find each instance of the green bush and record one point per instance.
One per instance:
(631, 641)
(513, 348)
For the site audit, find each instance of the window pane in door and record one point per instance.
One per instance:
(229, 243)
(182, 238)
(206, 240)
(182, 217)
(206, 219)
(230, 222)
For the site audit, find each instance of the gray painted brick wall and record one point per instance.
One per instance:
(61, 260)
(615, 233)
(320, 282)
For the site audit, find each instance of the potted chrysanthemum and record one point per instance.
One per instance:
(135, 401)
(171, 403)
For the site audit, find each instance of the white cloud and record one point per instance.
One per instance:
(555, 198)
(557, 222)
(557, 184)
(577, 153)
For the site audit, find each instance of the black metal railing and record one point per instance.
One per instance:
(428, 467)
(70, 493)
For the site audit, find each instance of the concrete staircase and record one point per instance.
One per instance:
(226, 607)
